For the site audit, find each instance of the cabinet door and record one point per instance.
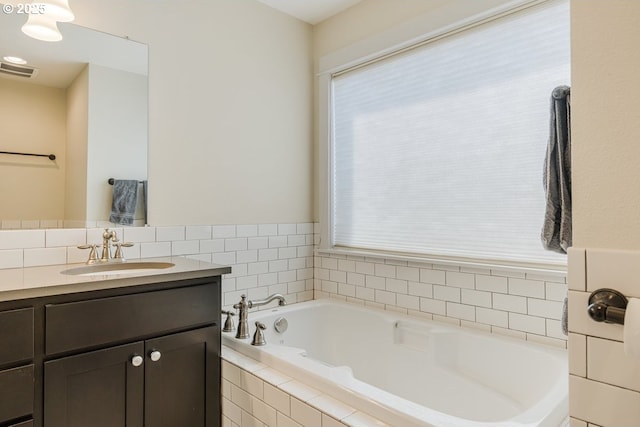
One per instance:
(99, 389)
(182, 387)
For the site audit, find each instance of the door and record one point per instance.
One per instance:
(182, 379)
(102, 388)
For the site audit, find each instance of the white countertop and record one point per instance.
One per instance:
(33, 282)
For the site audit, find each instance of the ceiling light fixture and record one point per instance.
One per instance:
(14, 60)
(42, 27)
(58, 10)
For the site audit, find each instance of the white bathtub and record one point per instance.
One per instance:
(408, 372)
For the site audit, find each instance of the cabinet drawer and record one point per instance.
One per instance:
(96, 322)
(16, 336)
(16, 393)
(23, 424)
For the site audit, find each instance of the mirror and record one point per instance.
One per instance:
(83, 99)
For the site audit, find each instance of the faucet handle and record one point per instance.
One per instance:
(228, 323)
(119, 245)
(92, 253)
(258, 337)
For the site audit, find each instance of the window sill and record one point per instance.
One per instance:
(515, 267)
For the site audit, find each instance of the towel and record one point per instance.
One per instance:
(556, 230)
(125, 198)
(564, 322)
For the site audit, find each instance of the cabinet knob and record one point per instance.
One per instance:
(155, 355)
(136, 360)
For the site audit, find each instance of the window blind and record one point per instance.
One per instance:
(439, 150)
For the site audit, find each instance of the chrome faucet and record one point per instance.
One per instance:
(106, 248)
(243, 312)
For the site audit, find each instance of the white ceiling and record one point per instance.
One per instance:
(311, 11)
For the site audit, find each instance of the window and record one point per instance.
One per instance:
(439, 150)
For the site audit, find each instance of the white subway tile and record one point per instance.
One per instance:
(223, 231)
(22, 239)
(461, 311)
(11, 258)
(152, 250)
(279, 265)
(477, 298)
(139, 234)
(544, 308)
(296, 287)
(603, 404)
(574, 422)
(461, 280)
(606, 267)
(360, 419)
(365, 293)
(492, 317)
(337, 276)
(284, 421)
(267, 254)
(287, 253)
(577, 354)
(268, 279)
(408, 301)
(555, 291)
(257, 242)
(433, 306)
(247, 230)
(257, 268)
(365, 268)
(287, 276)
(224, 258)
(411, 274)
(65, 237)
(235, 244)
(554, 330)
(267, 229)
(247, 256)
(300, 390)
(510, 303)
(346, 290)
(522, 322)
(331, 406)
(249, 420)
(246, 282)
(298, 263)
(384, 297)
(198, 232)
(375, 282)
(251, 384)
(185, 247)
(580, 322)
(346, 265)
(305, 251)
(232, 411)
(305, 414)
(212, 246)
(328, 421)
(286, 229)
(446, 293)
(296, 240)
(277, 399)
(421, 289)
(45, 256)
(384, 270)
(167, 234)
(527, 288)
(607, 362)
(491, 284)
(356, 279)
(435, 277)
(304, 228)
(304, 274)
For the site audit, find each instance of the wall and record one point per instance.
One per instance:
(75, 197)
(21, 105)
(118, 123)
(604, 385)
(230, 91)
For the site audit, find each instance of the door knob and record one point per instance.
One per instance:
(136, 360)
(155, 355)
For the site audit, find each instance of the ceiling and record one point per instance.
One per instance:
(311, 11)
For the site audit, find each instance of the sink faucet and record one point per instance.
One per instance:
(106, 248)
(243, 306)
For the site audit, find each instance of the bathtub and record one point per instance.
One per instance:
(413, 373)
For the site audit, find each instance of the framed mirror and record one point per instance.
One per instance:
(82, 100)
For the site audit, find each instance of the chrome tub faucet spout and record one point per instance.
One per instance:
(243, 312)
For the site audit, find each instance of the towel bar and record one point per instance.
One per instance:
(49, 156)
(111, 181)
(607, 305)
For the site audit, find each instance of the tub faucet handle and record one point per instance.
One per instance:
(243, 317)
(258, 337)
(228, 323)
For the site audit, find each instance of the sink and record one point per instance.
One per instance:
(112, 269)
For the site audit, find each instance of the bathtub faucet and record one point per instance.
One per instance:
(243, 312)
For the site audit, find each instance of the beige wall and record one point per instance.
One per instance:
(76, 148)
(606, 123)
(21, 106)
(230, 108)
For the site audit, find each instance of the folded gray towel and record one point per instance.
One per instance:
(125, 199)
(556, 229)
(565, 316)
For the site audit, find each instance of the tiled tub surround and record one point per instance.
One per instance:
(255, 395)
(604, 382)
(514, 303)
(265, 258)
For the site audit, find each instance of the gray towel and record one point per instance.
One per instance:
(564, 322)
(125, 198)
(556, 230)
(145, 185)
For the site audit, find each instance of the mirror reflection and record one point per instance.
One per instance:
(83, 100)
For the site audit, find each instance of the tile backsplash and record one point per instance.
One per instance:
(279, 258)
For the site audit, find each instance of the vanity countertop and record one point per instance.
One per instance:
(34, 282)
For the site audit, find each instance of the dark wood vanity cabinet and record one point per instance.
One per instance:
(120, 358)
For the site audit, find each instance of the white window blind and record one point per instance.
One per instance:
(440, 150)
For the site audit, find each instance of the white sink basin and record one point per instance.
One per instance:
(112, 269)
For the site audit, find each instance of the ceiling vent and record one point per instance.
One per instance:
(18, 70)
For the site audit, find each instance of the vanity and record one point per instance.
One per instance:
(138, 348)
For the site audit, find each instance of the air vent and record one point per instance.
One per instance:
(17, 70)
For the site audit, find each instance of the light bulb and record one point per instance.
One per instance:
(42, 27)
(58, 10)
